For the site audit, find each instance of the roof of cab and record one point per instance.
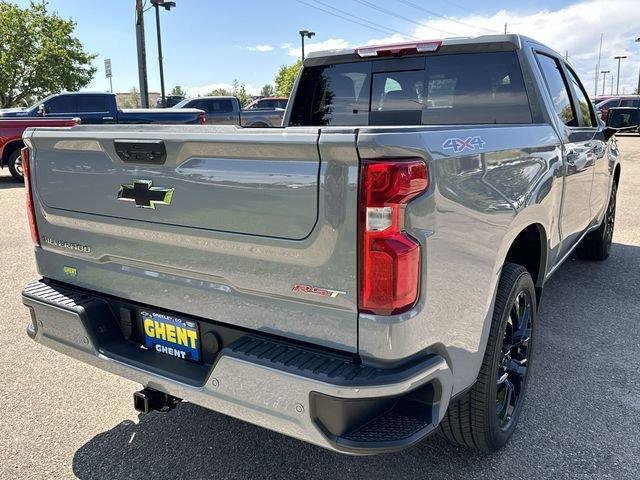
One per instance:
(447, 45)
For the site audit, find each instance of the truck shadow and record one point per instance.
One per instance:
(586, 305)
(7, 182)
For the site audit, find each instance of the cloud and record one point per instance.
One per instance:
(574, 29)
(259, 48)
(202, 90)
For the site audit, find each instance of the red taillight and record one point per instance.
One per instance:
(389, 257)
(399, 49)
(31, 212)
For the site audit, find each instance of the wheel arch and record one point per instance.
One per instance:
(8, 149)
(529, 248)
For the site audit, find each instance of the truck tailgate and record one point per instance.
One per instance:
(233, 225)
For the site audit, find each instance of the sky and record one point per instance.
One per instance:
(209, 43)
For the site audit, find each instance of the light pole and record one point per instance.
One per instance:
(305, 33)
(619, 57)
(604, 78)
(167, 6)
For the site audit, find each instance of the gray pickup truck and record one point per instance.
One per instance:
(223, 110)
(360, 278)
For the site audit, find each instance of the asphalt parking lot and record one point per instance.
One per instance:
(62, 419)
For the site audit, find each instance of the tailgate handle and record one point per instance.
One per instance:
(141, 151)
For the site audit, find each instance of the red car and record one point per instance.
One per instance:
(11, 139)
(621, 101)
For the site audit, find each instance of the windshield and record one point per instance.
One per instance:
(182, 103)
(39, 102)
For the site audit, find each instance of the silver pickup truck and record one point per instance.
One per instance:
(360, 278)
(225, 110)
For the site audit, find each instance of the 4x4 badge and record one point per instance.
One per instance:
(145, 195)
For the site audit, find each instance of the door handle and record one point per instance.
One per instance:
(107, 118)
(571, 157)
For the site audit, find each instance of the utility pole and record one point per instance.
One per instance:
(595, 92)
(142, 56)
(619, 57)
(505, 28)
(167, 6)
(308, 34)
(604, 78)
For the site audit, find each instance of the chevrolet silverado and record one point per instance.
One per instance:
(364, 276)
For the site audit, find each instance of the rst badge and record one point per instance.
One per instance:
(319, 291)
(462, 144)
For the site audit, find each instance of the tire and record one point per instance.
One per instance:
(485, 417)
(597, 244)
(14, 163)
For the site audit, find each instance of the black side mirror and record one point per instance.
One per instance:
(622, 119)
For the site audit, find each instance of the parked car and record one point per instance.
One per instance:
(268, 103)
(621, 101)
(359, 278)
(11, 139)
(221, 110)
(101, 108)
(624, 119)
(169, 101)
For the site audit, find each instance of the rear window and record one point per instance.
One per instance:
(475, 88)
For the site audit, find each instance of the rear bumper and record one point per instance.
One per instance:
(316, 396)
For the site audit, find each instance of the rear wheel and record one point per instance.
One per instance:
(14, 162)
(487, 415)
(597, 244)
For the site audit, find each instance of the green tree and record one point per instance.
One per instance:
(219, 92)
(267, 91)
(177, 90)
(286, 77)
(132, 100)
(39, 54)
(240, 91)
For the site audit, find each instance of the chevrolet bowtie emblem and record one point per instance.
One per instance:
(145, 195)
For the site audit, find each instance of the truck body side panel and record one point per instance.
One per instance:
(476, 205)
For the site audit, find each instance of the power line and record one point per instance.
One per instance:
(435, 14)
(360, 20)
(406, 19)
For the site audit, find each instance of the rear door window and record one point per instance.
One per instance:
(219, 106)
(628, 102)
(586, 114)
(557, 89)
(92, 103)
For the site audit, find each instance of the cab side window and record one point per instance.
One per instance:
(557, 89)
(586, 109)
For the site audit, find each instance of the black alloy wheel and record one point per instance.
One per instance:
(512, 367)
